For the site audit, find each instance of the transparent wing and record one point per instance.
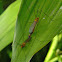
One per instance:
(32, 27)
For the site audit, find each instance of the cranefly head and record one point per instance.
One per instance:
(23, 44)
(37, 19)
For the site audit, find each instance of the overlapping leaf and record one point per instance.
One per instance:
(7, 24)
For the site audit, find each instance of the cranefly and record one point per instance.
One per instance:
(31, 30)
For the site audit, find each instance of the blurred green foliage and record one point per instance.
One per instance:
(6, 3)
(5, 54)
(1, 7)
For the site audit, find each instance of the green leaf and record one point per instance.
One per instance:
(7, 24)
(49, 24)
(55, 46)
(56, 59)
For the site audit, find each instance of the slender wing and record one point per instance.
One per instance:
(32, 27)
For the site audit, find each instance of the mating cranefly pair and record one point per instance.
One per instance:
(31, 30)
